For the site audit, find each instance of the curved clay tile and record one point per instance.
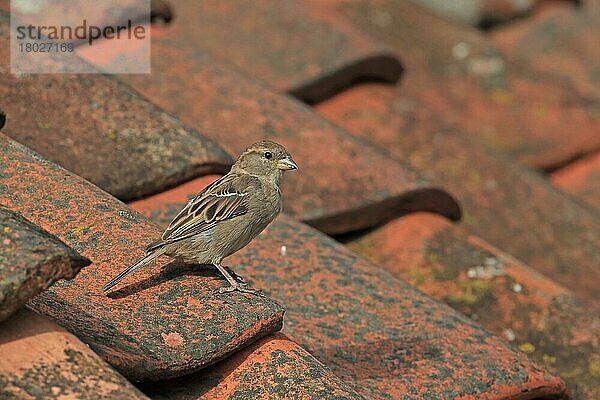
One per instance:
(149, 329)
(371, 328)
(31, 260)
(102, 130)
(40, 360)
(344, 185)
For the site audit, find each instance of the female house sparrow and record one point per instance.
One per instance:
(226, 215)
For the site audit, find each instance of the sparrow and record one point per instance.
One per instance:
(226, 215)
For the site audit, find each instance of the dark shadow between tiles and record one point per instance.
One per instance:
(427, 199)
(384, 68)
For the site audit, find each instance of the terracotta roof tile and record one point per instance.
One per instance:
(30, 261)
(104, 131)
(369, 327)
(462, 77)
(354, 187)
(560, 41)
(160, 325)
(332, 58)
(505, 204)
(274, 367)
(582, 178)
(507, 297)
(42, 361)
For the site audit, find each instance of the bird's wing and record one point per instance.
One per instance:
(224, 199)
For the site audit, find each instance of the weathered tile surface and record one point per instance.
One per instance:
(272, 368)
(344, 183)
(560, 41)
(164, 322)
(452, 70)
(30, 261)
(507, 205)
(463, 78)
(538, 316)
(100, 129)
(312, 59)
(369, 327)
(581, 178)
(42, 361)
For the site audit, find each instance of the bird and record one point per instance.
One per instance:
(225, 216)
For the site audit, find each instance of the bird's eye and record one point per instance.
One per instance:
(268, 155)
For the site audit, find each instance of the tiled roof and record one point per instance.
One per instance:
(410, 142)
(32, 260)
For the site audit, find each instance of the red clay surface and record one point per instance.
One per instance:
(352, 188)
(40, 360)
(559, 41)
(163, 322)
(535, 314)
(503, 203)
(582, 179)
(272, 368)
(369, 327)
(30, 261)
(104, 131)
(461, 77)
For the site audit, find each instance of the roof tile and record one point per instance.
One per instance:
(503, 203)
(354, 187)
(582, 178)
(462, 77)
(480, 12)
(274, 367)
(501, 293)
(333, 58)
(42, 361)
(369, 327)
(163, 325)
(562, 41)
(102, 130)
(30, 261)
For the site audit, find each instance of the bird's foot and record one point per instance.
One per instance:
(241, 287)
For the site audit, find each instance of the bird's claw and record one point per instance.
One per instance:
(243, 287)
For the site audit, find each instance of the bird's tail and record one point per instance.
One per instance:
(141, 263)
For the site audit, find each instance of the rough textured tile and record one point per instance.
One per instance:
(561, 41)
(42, 361)
(352, 187)
(371, 328)
(503, 203)
(249, 34)
(102, 130)
(272, 368)
(30, 261)
(581, 178)
(464, 80)
(538, 316)
(167, 321)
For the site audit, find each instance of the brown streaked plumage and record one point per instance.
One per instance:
(226, 215)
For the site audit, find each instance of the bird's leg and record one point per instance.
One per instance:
(235, 275)
(233, 284)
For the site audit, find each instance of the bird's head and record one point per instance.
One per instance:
(266, 159)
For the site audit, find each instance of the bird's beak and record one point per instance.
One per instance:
(287, 164)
